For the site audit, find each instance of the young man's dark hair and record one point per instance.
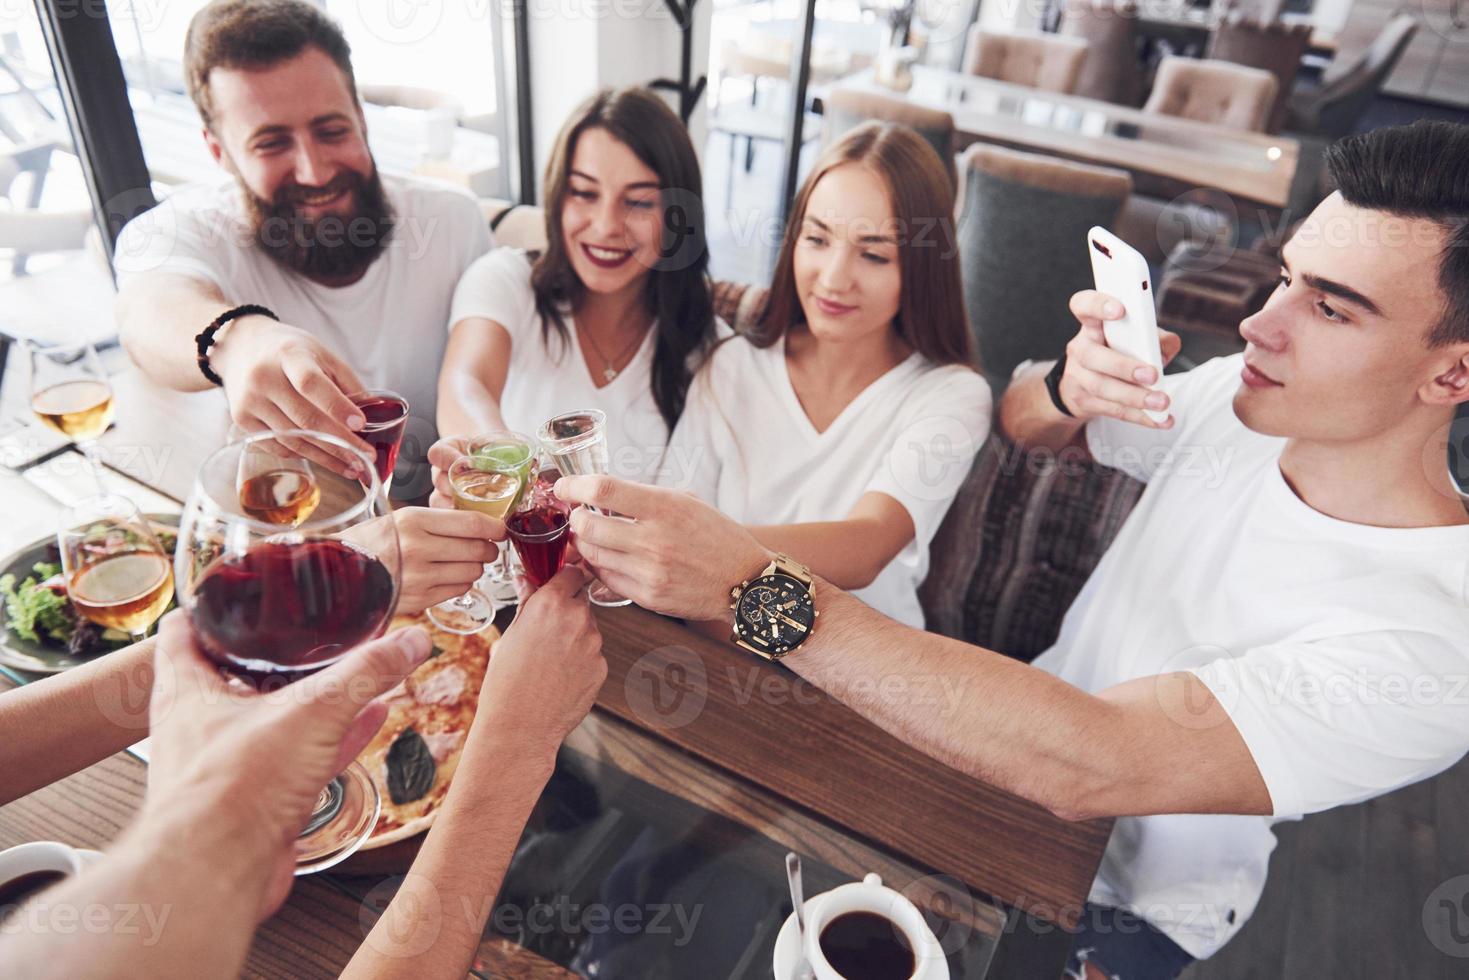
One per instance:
(244, 34)
(1417, 171)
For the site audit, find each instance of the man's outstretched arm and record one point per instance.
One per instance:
(1155, 745)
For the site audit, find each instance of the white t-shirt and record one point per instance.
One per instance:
(546, 378)
(1334, 647)
(745, 445)
(388, 325)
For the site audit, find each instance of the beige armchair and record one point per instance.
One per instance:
(848, 108)
(1044, 61)
(1333, 110)
(1213, 92)
(1112, 70)
(515, 225)
(1275, 46)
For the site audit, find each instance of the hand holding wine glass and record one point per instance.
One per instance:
(217, 744)
(272, 602)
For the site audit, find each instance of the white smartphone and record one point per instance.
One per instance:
(1121, 272)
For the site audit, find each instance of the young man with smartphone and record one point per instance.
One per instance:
(1281, 636)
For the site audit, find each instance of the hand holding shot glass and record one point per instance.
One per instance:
(577, 443)
(491, 478)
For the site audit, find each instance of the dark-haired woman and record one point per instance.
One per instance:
(841, 430)
(614, 315)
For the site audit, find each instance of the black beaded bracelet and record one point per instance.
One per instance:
(1053, 386)
(205, 340)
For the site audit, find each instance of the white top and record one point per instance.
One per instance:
(547, 378)
(1334, 647)
(388, 325)
(746, 445)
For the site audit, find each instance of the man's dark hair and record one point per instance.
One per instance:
(1417, 171)
(252, 34)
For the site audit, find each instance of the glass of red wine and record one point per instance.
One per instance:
(540, 529)
(276, 596)
(386, 413)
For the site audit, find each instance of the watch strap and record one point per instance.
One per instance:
(205, 340)
(1053, 385)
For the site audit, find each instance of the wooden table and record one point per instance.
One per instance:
(1166, 156)
(682, 790)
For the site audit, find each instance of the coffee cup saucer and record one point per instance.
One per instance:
(788, 946)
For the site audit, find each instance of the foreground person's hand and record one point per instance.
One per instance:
(547, 669)
(1100, 381)
(669, 551)
(227, 755)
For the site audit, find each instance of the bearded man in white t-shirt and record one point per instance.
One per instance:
(1280, 626)
(355, 270)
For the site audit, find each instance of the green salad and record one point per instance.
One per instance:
(34, 608)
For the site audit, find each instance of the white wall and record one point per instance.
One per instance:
(580, 46)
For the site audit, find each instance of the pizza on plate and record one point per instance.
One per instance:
(413, 756)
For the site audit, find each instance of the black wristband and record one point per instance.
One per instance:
(205, 340)
(1053, 386)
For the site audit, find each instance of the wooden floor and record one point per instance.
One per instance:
(1348, 888)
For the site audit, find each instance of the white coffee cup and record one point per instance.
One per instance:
(44, 855)
(871, 895)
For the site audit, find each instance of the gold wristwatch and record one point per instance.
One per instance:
(775, 612)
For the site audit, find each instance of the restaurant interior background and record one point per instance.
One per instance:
(95, 126)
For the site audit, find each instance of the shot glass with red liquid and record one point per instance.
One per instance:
(386, 413)
(540, 530)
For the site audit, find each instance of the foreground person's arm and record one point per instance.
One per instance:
(62, 724)
(1155, 745)
(233, 779)
(544, 674)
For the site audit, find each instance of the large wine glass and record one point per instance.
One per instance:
(275, 599)
(117, 574)
(577, 444)
(70, 394)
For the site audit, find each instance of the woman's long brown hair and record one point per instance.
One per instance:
(679, 294)
(931, 317)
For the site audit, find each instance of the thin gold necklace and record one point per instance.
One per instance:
(608, 371)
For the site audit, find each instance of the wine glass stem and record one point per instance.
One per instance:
(94, 461)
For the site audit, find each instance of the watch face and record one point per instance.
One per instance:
(774, 613)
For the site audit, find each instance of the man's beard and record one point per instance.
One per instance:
(330, 248)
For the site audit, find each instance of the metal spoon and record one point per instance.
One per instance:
(793, 877)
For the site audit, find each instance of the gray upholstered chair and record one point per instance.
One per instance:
(1112, 70)
(1275, 46)
(1212, 92)
(1022, 242)
(1333, 110)
(846, 109)
(1044, 61)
